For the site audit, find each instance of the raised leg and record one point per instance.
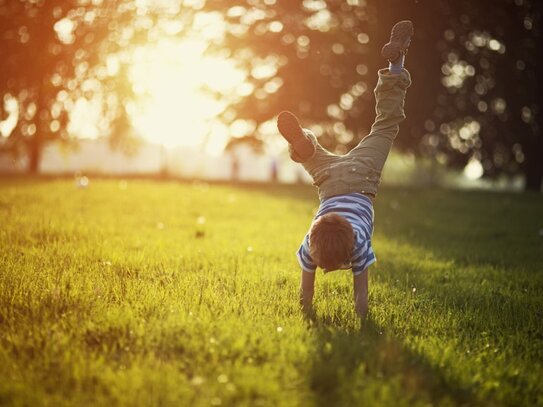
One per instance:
(389, 97)
(304, 147)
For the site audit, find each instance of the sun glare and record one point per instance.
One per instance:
(180, 93)
(474, 169)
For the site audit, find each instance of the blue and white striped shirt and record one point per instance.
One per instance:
(357, 209)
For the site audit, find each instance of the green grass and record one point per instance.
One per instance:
(112, 296)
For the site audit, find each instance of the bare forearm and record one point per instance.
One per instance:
(360, 284)
(307, 289)
(361, 306)
(306, 298)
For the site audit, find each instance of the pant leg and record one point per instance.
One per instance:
(316, 164)
(389, 97)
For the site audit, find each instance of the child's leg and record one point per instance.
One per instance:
(320, 159)
(389, 96)
(313, 157)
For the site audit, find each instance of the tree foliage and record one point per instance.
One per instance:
(476, 92)
(56, 53)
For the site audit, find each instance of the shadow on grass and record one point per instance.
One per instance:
(352, 365)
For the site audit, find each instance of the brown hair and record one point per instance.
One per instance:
(331, 241)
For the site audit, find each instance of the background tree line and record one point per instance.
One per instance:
(476, 92)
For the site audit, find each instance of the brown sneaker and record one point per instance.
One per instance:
(290, 129)
(400, 38)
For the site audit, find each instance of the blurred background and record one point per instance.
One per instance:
(191, 88)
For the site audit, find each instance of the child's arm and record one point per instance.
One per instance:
(307, 290)
(360, 284)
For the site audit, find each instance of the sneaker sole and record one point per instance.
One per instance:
(398, 40)
(290, 129)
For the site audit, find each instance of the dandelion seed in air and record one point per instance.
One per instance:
(279, 329)
(82, 182)
(249, 249)
(201, 220)
(414, 290)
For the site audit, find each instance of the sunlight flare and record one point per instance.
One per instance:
(181, 92)
(474, 169)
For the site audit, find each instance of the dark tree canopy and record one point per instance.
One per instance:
(489, 104)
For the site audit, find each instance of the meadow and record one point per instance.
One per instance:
(146, 293)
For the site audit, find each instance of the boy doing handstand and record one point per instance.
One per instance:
(340, 234)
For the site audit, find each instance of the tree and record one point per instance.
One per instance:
(493, 97)
(56, 52)
(39, 44)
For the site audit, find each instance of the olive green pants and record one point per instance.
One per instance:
(360, 169)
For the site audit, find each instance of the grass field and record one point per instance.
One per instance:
(170, 294)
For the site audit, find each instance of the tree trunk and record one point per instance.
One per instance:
(533, 182)
(533, 151)
(35, 143)
(533, 148)
(533, 170)
(34, 154)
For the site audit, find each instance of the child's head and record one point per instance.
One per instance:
(331, 241)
